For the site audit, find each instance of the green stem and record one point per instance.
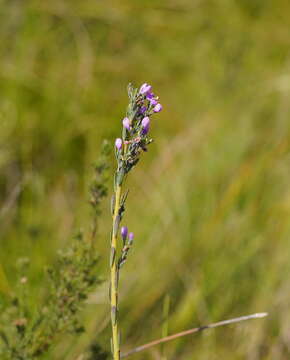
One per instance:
(114, 278)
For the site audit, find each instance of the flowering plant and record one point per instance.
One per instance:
(135, 140)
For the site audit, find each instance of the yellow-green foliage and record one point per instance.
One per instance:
(210, 203)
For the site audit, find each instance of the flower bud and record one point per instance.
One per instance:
(143, 109)
(157, 108)
(145, 125)
(118, 144)
(126, 123)
(131, 238)
(124, 232)
(144, 89)
(153, 102)
(150, 95)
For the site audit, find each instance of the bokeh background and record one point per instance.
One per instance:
(210, 204)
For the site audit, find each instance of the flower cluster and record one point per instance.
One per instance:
(136, 125)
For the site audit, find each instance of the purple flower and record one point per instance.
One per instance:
(124, 232)
(131, 238)
(118, 144)
(150, 95)
(126, 123)
(145, 88)
(143, 109)
(145, 125)
(153, 102)
(157, 108)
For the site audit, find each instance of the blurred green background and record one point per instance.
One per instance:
(210, 203)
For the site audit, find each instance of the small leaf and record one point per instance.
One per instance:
(120, 176)
(117, 279)
(113, 201)
(114, 314)
(113, 255)
(124, 197)
(116, 225)
(130, 90)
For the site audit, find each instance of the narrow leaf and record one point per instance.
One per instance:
(113, 256)
(113, 201)
(114, 314)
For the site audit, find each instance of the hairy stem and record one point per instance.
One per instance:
(114, 278)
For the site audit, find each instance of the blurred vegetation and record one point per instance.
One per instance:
(211, 202)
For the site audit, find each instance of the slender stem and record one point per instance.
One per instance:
(114, 278)
(192, 331)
